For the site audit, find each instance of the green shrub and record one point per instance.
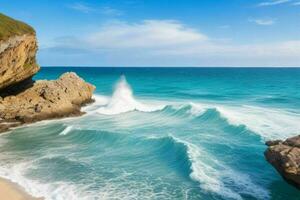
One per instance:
(10, 27)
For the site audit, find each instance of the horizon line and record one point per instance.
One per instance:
(90, 66)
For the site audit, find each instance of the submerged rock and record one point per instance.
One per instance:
(285, 157)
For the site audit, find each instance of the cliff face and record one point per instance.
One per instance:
(285, 158)
(18, 47)
(21, 99)
(17, 59)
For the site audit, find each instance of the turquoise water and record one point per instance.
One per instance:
(161, 133)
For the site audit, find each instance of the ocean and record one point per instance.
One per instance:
(161, 133)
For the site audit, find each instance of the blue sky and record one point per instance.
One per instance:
(163, 32)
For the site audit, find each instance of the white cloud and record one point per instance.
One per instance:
(224, 27)
(84, 8)
(106, 10)
(273, 3)
(81, 7)
(147, 34)
(296, 3)
(281, 49)
(263, 22)
(171, 43)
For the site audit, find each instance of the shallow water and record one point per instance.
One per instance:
(161, 133)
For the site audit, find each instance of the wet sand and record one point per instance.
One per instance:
(12, 191)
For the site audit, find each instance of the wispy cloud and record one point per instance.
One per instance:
(169, 42)
(81, 7)
(85, 8)
(262, 22)
(110, 11)
(273, 3)
(296, 3)
(224, 27)
(148, 33)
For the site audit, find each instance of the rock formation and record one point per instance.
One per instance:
(285, 157)
(23, 100)
(18, 48)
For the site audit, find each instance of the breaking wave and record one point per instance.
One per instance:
(211, 175)
(193, 162)
(158, 134)
(66, 130)
(269, 123)
(123, 101)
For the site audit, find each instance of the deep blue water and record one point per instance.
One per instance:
(161, 133)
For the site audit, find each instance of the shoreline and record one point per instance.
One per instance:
(13, 191)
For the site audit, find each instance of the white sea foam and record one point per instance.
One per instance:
(66, 130)
(115, 188)
(100, 100)
(205, 174)
(123, 101)
(267, 122)
(212, 176)
(197, 109)
(50, 190)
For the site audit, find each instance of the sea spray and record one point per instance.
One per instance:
(209, 135)
(123, 101)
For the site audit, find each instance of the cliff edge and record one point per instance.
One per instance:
(18, 47)
(23, 100)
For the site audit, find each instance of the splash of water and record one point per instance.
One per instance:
(123, 101)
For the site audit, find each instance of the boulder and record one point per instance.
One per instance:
(285, 158)
(47, 99)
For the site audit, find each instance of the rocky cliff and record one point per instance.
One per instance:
(18, 46)
(23, 100)
(285, 157)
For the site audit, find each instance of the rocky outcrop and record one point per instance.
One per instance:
(285, 157)
(47, 99)
(23, 100)
(17, 52)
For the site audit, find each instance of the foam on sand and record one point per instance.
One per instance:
(11, 191)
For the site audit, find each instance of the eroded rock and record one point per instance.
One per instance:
(21, 99)
(47, 99)
(285, 157)
(18, 47)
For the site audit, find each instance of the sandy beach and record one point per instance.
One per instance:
(12, 191)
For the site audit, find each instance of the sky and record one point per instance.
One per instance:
(229, 33)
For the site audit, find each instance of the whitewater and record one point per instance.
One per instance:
(187, 134)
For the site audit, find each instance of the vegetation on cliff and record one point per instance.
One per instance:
(17, 54)
(23, 100)
(11, 27)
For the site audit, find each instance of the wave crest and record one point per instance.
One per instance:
(66, 130)
(209, 173)
(123, 101)
(268, 123)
